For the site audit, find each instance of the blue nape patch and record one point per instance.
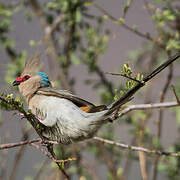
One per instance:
(45, 80)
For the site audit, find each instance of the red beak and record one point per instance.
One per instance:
(17, 81)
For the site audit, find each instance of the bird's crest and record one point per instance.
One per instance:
(33, 65)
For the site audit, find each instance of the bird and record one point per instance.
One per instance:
(67, 117)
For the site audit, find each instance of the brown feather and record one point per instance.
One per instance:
(85, 108)
(64, 94)
(33, 65)
(93, 109)
(83, 104)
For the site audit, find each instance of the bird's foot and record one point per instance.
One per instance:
(45, 142)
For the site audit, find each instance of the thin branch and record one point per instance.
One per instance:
(105, 141)
(123, 75)
(21, 143)
(104, 80)
(175, 94)
(127, 8)
(51, 150)
(135, 148)
(126, 97)
(100, 8)
(147, 106)
(56, 23)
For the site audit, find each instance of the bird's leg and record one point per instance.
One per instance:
(45, 143)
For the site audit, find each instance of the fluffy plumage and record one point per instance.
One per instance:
(33, 65)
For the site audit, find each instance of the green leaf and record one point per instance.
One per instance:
(128, 3)
(32, 43)
(120, 172)
(88, 3)
(121, 20)
(158, 1)
(178, 116)
(156, 143)
(78, 16)
(173, 45)
(5, 12)
(75, 59)
(28, 178)
(52, 5)
(106, 17)
(134, 27)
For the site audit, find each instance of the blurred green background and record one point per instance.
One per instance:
(79, 41)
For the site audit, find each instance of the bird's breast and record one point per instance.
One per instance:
(67, 119)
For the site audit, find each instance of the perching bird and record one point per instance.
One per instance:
(67, 117)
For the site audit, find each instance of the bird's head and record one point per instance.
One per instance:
(32, 77)
(40, 77)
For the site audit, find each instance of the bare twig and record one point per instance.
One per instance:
(175, 94)
(123, 75)
(105, 81)
(21, 143)
(147, 106)
(105, 141)
(135, 148)
(56, 23)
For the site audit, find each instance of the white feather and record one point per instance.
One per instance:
(71, 120)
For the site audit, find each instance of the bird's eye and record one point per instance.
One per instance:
(26, 77)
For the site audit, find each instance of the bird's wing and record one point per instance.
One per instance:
(83, 104)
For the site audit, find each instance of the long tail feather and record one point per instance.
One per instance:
(126, 97)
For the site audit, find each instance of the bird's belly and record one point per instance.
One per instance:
(64, 121)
